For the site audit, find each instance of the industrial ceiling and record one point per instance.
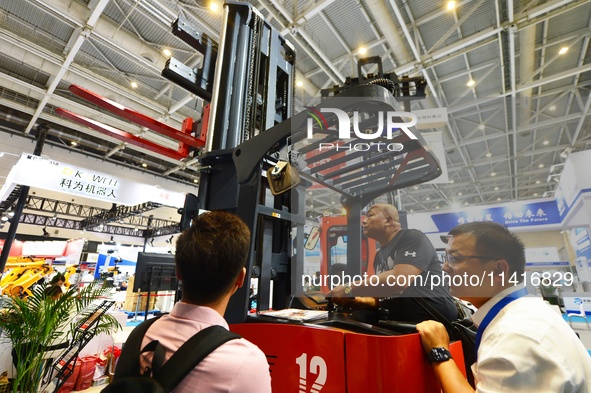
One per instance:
(513, 75)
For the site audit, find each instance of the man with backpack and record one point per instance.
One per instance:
(210, 261)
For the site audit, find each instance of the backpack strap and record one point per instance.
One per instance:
(188, 356)
(128, 364)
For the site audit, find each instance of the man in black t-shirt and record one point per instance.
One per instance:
(404, 255)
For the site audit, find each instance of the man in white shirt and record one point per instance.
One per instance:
(210, 260)
(522, 344)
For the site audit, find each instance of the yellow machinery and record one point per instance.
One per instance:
(24, 272)
(21, 273)
(70, 271)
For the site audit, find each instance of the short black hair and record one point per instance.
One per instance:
(57, 278)
(495, 240)
(210, 254)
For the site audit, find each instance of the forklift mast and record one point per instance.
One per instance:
(252, 90)
(252, 132)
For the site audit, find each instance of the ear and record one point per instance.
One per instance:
(240, 279)
(501, 271)
(178, 274)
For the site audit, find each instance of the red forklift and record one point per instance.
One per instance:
(259, 161)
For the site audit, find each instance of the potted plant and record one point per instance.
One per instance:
(37, 322)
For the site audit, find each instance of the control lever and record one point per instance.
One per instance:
(330, 306)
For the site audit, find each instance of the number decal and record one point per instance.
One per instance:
(317, 367)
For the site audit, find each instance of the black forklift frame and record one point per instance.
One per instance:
(252, 127)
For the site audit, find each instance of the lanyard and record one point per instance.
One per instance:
(495, 310)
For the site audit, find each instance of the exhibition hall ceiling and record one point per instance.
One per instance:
(514, 76)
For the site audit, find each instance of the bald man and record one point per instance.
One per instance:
(405, 266)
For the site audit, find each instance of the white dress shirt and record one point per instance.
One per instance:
(528, 347)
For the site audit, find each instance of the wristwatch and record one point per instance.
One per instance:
(348, 290)
(438, 355)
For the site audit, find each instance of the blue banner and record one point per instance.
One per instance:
(561, 202)
(541, 264)
(531, 214)
(583, 243)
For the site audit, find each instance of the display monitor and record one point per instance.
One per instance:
(155, 272)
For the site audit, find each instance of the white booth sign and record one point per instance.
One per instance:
(53, 175)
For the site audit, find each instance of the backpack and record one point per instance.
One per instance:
(165, 377)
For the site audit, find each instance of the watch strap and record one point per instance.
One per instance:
(438, 355)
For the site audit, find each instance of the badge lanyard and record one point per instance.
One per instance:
(495, 310)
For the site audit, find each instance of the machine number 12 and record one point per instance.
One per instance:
(317, 367)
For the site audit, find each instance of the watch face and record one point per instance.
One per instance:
(439, 355)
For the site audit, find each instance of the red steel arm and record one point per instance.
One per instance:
(137, 117)
(122, 135)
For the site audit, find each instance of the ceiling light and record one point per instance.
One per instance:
(537, 182)
(411, 210)
(470, 83)
(545, 143)
(496, 188)
(362, 50)
(299, 83)
(460, 193)
(73, 143)
(493, 174)
(451, 5)
(488, 155)
(4, 219)
(535, 194)
(428, 198)
(452, 181)
(481, 127)
(195, 180)
(563, 50)
(416, 187)
(498, 199)
(541, 166)
(133, 85)
(167, 52)
(466, 203)
(144, 165)
(214, 6)
(436, 207)
(552, 107)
